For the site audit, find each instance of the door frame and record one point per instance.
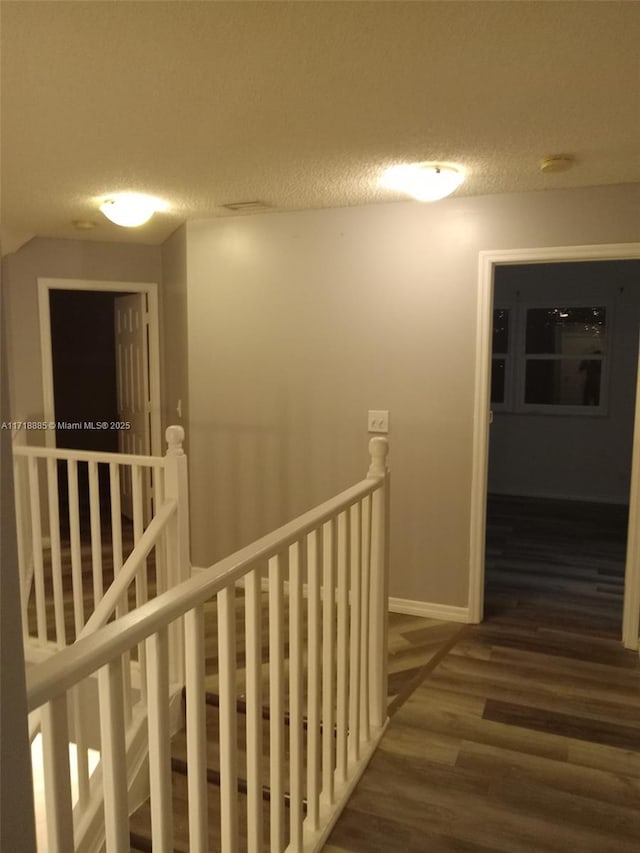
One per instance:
(45, 285)
(487, 262)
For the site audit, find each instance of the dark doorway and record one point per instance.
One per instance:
(84, 377)
(84, 368)
(560, 450)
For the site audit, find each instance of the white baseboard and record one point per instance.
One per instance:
(413, 607)
(410, 606)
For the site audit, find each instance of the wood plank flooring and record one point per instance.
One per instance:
(415, 645)
(520, 734)
(525, 734)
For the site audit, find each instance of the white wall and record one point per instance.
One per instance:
(174, 338)
(585, 457)
(300, 322)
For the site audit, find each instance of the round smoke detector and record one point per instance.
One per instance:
(556, 163)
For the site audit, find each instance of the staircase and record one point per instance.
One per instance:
(277, 655)
(140, 821)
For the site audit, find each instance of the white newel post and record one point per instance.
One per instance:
(178, 558)
(379, 601)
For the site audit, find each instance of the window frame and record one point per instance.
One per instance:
(507, 404)
(521, 358)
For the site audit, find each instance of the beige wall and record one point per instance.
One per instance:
(300, 322)
(293, 326)
(174, 338)
(44, 258)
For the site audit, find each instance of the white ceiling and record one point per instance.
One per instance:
(302, 104)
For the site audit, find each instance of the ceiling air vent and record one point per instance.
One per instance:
(246, 206)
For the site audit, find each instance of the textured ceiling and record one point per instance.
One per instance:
(302, 104)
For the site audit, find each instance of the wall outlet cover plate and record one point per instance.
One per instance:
(378, 420)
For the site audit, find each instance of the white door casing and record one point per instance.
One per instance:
(487, 262)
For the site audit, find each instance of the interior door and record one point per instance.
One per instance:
(132, 378)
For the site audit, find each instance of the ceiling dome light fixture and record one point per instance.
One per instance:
(423, 181)
(131, 209)
(556, 163)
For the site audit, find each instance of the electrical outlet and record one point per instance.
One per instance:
(378, 420)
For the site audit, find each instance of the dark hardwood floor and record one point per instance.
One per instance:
(519, 734)
(524, 732)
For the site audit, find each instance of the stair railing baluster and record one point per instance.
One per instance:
(365, 574)
(76, 554)
(355, 651)
(329, 546)
(314, 683)
(276, 699)
(57, 781)
(228, 724)
(56, 559)
(296, 813)
(196, 730)
(82, 758)
(141, 585)
(342, 648)
(96, 533)
(157, 656)
(113, 757)
(36, 537)
(254, 721)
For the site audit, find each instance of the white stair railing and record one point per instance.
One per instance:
(336, 556)
(165, 538)
(51, 545)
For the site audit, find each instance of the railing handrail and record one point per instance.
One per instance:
(78, 661)
(130, 568)
(88, 455)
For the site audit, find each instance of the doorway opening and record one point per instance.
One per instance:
(101, 366)
(83, 355)
(563, 377)
(525, 395)
(85, 388)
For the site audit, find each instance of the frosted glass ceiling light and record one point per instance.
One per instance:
(130, 209)
(423, 181)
